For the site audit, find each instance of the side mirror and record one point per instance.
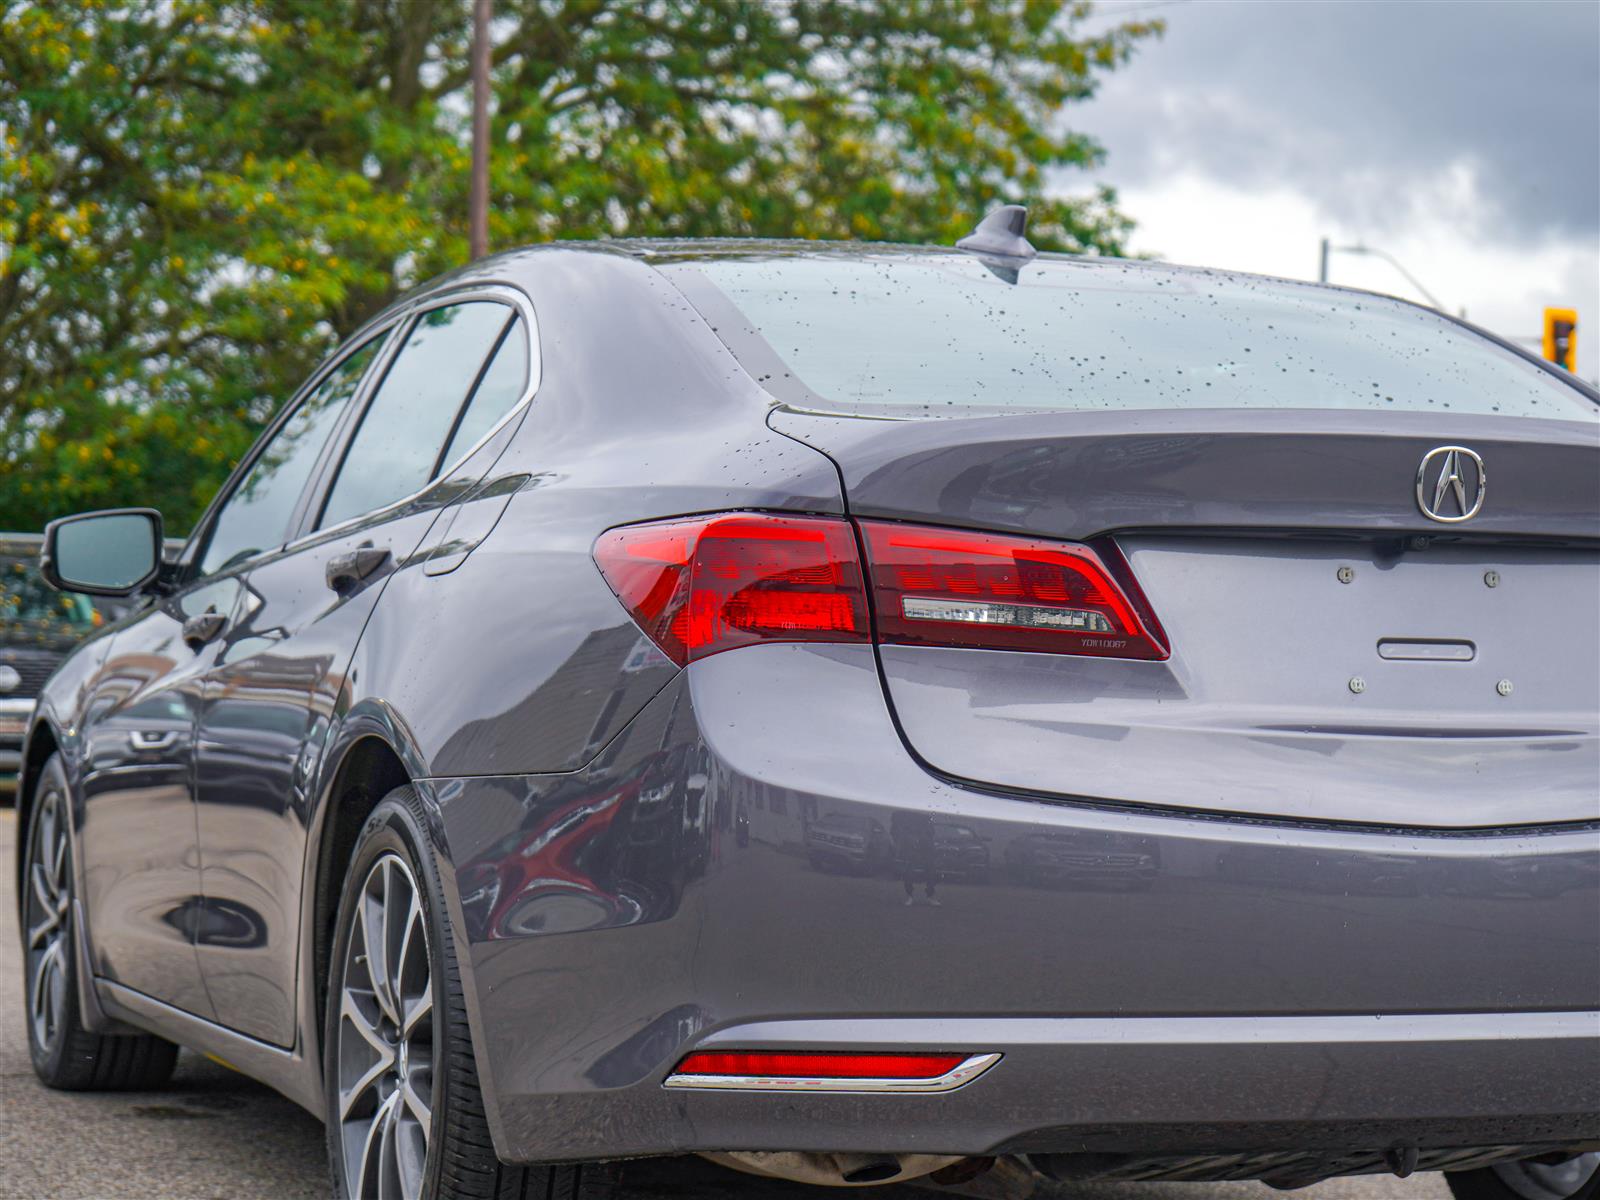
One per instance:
(111, 553)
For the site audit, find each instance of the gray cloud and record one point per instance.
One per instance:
(1364, 107)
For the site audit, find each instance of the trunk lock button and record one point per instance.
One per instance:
(1346, 574)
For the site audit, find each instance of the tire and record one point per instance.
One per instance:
(66, 1055)
(397, 1048)
(1576, 1179)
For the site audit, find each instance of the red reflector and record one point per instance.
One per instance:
(949, 587)
(762, 1064)
(705, 584)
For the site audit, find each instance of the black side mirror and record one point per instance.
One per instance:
(111, 553)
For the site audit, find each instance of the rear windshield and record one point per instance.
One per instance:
(905, 335)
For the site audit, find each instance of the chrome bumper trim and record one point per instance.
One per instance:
(959, 1075)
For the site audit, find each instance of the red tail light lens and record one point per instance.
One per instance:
(705, 584)
(948, 587)
(761, 1064)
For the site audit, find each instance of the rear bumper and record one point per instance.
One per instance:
(1254, 982)
(1161, 1084)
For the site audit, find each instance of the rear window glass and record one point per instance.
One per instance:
(901, 335)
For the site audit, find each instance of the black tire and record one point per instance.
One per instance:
(66, 1055)
(459, 1158)
(1491, 1183)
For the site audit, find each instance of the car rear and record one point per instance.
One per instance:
(1248, 629)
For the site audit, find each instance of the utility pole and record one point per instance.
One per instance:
(478, 199)
(1322, 270)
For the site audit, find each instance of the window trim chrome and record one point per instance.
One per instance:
(404, 321)
(957, 1076)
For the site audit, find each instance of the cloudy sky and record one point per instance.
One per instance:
(1463, 138)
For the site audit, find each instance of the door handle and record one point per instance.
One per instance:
(141, 739)
(346, 571)
(202, 627)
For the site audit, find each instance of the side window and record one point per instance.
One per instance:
(503, 383)
(256, 516)
(396, 448)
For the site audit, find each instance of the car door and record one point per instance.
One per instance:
(141, 865)
(140, 836)
(272, 694)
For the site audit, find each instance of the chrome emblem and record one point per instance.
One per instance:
(10, 679)
(1450, 484)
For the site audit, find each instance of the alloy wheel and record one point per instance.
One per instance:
(385, 1039)
(1548, 1181)
(49, 917)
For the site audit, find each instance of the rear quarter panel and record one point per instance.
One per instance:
(521, 659)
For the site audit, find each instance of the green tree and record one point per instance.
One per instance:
(199, 198)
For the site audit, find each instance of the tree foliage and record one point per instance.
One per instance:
(199, 198)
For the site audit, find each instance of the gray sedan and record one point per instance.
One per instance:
(1227, 644)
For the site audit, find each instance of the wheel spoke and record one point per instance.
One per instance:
(43, 892)
(350, 1012)
(369, 1165)
(374, 932)
(58, 860)
(416, 1105)
(411, 1157)
(58, 992)
(47, 830)
(348, 1097)
(389, 1175)
(417, 1011)
(351, 1095)
(38, 933)
(36, 993)
(45, 1000)
(402, 960)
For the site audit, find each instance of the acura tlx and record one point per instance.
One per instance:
(861, 713)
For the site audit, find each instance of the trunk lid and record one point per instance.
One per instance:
(1337, 655)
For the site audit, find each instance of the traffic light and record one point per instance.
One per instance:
(1561, 337)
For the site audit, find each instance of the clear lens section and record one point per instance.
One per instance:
(920, 608)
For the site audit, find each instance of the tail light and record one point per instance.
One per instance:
(951, 587)
(705, 584)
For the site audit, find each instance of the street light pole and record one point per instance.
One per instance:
(478, 197)
(1373, 251)
(1395, 263)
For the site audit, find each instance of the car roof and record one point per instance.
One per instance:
(508, 265)
(662, 252)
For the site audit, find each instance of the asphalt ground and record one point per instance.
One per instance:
(213, 1133)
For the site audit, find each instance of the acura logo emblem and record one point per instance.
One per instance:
(1450, 484)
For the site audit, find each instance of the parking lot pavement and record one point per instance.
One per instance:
(214, 1133)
